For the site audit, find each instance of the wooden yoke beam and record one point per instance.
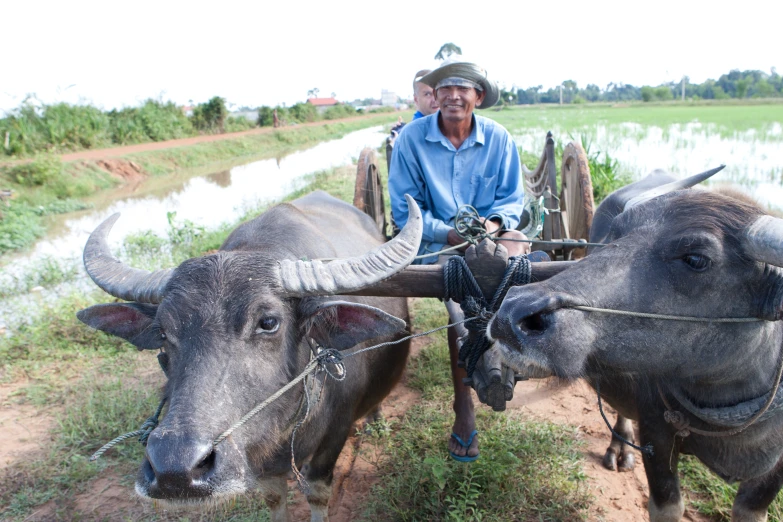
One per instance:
(487, 262)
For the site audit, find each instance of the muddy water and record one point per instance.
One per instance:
(753, 158)
(207, 200)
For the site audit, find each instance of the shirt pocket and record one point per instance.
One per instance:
(483, 190)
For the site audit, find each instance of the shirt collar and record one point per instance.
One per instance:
(476, 135)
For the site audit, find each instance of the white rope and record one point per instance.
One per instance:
(671, 317)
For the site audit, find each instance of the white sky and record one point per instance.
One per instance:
(114, 53)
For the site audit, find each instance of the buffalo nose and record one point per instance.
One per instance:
(526, 313)
(178, 466)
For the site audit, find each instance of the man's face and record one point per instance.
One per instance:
(424, 98)
(457, 103)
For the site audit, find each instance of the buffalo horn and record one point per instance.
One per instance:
(116, 278)
(671, 187)
(764, 240)
(303, 278)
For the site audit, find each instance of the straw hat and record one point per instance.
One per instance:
(456, 66)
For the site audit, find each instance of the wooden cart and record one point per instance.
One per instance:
(567, 210)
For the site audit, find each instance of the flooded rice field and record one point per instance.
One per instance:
(206, 201)
(753, 158)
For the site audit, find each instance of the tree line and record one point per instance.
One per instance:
(735, 84)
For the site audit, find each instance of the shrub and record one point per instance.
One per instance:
(303, 112)
(44, 169)
(339, 111)
(210, 116)
(153, 121)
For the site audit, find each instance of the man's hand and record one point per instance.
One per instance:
(491, 225)
(454, 239)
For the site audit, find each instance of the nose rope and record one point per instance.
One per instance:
(325, 357)
(671, 317)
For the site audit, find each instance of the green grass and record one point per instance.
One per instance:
(527, 470)
(710, 495)
(728, 118)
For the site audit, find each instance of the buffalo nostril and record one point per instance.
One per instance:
(533, 323)
(205, 466)
(149, 473)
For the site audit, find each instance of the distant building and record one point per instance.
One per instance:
(187, 110)
(321, 104)
(388, 98)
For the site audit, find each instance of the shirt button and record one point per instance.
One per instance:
(458, 154)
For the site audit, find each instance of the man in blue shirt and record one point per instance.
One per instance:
(449, 159)
(423, 97)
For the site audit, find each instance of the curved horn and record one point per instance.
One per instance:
(303, 278)
(671, 187)
(114, 277)
(764, 240)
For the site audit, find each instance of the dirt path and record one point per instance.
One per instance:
(115, 152)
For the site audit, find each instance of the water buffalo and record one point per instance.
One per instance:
(685, 253)
(239, 324)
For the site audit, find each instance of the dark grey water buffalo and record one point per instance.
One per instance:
(238, 325)
(686, 253)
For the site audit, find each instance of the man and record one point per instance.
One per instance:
(423, 97)
(449, 159)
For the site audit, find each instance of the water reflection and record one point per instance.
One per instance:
(208, 200)
(753, 158)
(221, 179)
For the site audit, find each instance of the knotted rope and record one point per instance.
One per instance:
(461, 286)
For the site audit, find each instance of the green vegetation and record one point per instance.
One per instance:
(527, 470)
(710, 495)
(727, 119)
(210, 117)
(302, 113)
(44, 185)
(736, 84)
(34, 127)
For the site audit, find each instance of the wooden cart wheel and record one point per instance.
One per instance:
(576, 196)
(368, 191)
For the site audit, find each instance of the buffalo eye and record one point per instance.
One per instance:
(697, 262)
(267, 325)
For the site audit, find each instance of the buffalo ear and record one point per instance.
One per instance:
(342, 324)
(130, 321)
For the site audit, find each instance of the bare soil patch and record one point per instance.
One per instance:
(127, 171)
(25, 429)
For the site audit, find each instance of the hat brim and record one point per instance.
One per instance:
(468, 71)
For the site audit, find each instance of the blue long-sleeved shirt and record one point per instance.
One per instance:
(485, 173)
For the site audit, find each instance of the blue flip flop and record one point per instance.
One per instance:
(466, 445)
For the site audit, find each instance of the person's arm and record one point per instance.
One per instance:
(406, 177)
(510, 191)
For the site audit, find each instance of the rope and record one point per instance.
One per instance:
(647, 449)
(678, 420)
(671, 317)
(143, 432)
(461, 286)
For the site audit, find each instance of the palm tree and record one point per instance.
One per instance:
(313, 93)
(447, 50)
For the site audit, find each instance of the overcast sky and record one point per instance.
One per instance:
(115, 53)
